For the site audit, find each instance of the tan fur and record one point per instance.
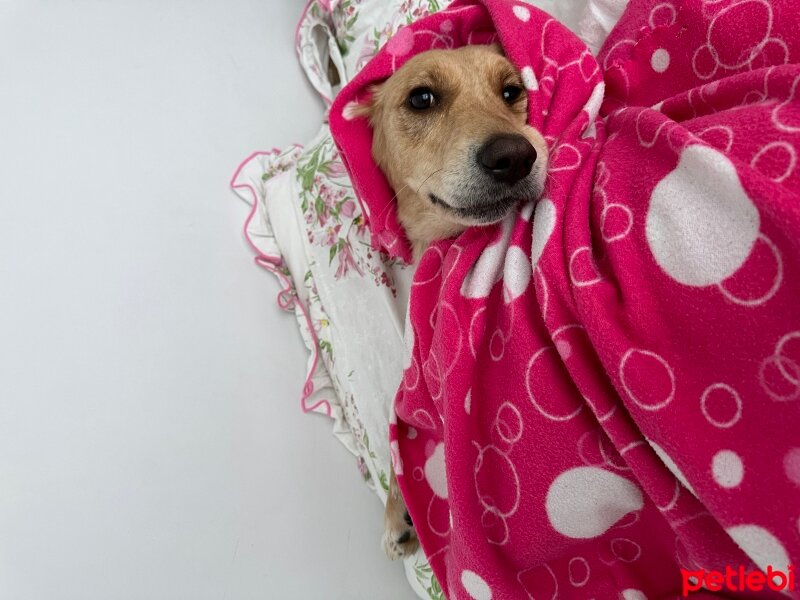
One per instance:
(399, 538)
(432, 151)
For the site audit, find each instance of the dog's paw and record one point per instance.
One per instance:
(399, 538)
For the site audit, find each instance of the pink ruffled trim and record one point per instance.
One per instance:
(287, 298)
(328, 7)
(300, 22)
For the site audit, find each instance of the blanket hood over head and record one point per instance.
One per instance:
(542, 50)
(604, 389)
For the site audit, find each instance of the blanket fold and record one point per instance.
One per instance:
(604, 389)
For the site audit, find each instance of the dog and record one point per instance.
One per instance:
(450, 134)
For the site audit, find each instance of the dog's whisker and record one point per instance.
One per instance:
(397, 193)
(389, 204)
(428, 177)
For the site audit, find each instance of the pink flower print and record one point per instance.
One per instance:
(346, 262)
(331, 200)
(323, 216)
(367, 52)
(336, 169)
(362, 468)
(361, 226)
(327, 236)
(333, 235)
(348, 208)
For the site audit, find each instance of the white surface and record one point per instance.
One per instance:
(151, 442)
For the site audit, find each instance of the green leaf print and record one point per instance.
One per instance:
(384, 481)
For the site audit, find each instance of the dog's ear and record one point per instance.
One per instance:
(365, 109)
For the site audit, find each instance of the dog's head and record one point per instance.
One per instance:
(450, 135)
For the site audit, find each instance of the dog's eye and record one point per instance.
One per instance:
(511, 93)
(421, 98)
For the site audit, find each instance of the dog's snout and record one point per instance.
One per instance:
(507, 158)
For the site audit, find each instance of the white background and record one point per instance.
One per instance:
(151, 441)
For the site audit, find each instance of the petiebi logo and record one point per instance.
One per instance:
(738, 580)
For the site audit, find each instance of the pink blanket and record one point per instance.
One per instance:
(605, 388)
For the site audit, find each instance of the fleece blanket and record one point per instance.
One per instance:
(604, 390)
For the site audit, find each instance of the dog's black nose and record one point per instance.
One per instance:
(507, 158)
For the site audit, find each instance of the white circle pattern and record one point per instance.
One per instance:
(727, 469)
(475, 585)
(725, 404)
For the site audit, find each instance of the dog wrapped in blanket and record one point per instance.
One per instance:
(601, 394)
